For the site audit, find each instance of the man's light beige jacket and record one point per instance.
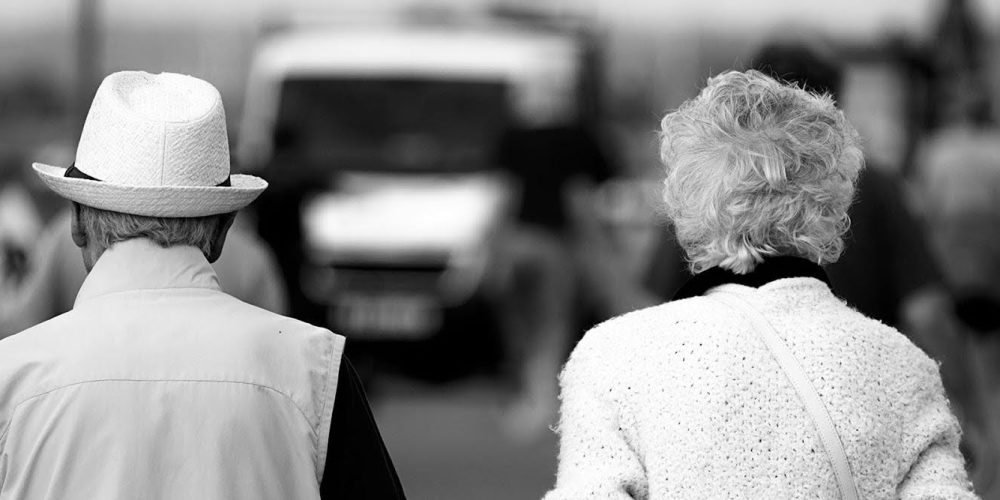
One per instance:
(157, 382)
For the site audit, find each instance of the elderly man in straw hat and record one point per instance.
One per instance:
(157, 384)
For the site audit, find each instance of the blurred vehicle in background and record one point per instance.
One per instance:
(386, 199)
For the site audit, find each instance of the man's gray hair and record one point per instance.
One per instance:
(106, 228)
(757, 168)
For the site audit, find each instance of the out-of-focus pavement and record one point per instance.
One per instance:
(447, 443)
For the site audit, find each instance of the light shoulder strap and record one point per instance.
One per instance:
(803, 386)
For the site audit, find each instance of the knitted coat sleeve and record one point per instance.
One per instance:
(930, 441)
(595, 459)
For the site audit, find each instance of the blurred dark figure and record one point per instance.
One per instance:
(551, 155)
(959, 87)
(958, 178)
(886, 266)
(29, 112)
(19, 224)
(548, 161)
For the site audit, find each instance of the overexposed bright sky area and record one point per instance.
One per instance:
(839, 17)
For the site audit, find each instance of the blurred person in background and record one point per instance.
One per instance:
(551, 155)
(757, 381)
(20, 225)
(180, 389)
(27, 110)
(958, 181)
(885, 271)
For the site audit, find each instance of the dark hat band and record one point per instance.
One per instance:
(76, 173)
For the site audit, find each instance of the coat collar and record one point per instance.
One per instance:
(140, 264)
(771, 269)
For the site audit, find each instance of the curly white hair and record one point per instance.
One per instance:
(755, 167)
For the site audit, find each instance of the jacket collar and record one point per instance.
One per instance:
(771, 269)
(140, 264)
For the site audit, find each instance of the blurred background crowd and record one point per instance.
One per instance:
(462, 188)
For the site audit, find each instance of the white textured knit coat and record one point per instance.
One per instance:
(684, 401)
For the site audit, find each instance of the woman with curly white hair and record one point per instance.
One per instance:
(756, 381)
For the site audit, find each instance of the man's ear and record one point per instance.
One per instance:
(219, 238)
(76, 229)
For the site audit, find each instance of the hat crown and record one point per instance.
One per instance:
(155, 130)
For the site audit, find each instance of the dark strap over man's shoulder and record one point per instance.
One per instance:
(357, 463)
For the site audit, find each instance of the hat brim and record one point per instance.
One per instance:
(154, 201)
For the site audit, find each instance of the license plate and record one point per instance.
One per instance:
(390, 316)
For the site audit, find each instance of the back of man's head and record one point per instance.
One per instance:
(105, 228)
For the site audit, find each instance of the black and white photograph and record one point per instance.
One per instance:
(500, 249)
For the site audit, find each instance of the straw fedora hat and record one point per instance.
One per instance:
(154, 145)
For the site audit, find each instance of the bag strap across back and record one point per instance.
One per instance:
(803, 386)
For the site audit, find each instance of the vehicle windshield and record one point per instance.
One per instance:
(399, 124)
